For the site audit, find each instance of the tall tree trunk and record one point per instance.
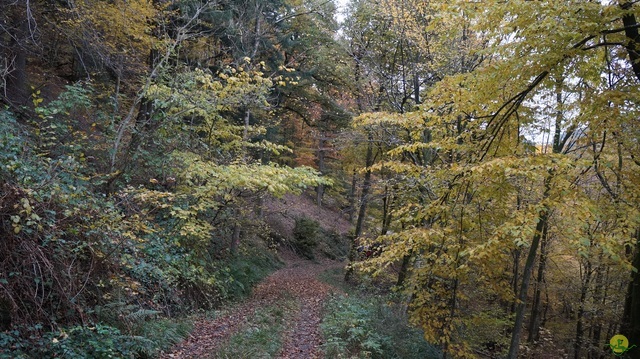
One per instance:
(237, 231)
(543, 218)
(598, 297)
(364, 201)
(515, 281)
(366, 187)
(142, 125)
(633, 37)
(534, 321)
(631, 318)
(631, 324)
(516, 265)
(321, 167)
(416, 87)
(15, 56)
(578, 343)
(352, 195)
(541, 226)
(404, 269)
(387, 201)
(452, 312)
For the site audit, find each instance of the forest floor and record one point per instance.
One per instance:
(297, 284)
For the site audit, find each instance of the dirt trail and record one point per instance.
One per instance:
(302, 341)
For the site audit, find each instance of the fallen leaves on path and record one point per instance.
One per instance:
(302, 341)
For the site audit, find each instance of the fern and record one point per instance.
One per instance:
(164, 332)
(141, 315)
(143, 347)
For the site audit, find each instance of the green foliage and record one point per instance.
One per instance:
(246, 269)
(60, 126)
(332, 244)
(52, 220)
(371, 327)
(348, 329)
(145, 339)
(305, 236)
(77, 342)
(164, 332)
(488, 327)
(85, 252)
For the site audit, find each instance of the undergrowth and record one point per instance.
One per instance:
(305, 235)
(243, 271)
(365, 325)
(126, 330)
(97, 341)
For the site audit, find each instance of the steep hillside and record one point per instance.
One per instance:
(287, 214)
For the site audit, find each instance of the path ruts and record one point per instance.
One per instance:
(303, 339)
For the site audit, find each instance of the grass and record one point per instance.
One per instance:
(262, 336)
(165, 332)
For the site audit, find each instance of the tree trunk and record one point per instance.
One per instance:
(541, 226)
(516, 274)
(416, 88)
(598, 300)
(15, 81)
(577, 345)
(534, 321)
(387, 201)
(352, 195)
(366, 187)
(633, 37)
(321, 168)
(404, 269)
(631, 318)
(516, 264)
(237, 229)
(452, 312)
(526, 276)
(364, 201)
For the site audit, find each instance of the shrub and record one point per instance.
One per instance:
(145, 339)
(245, 270)
(359, 327)
(348, 329)
(333, 245)
(305, 236)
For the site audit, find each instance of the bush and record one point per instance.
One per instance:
(333, 245)
(305, 236)
(243, 271)
(78, 342)
(145, 339)
(349, 331)
(357, 327)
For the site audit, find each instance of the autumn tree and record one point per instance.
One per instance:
(398, 49)
(495, 189)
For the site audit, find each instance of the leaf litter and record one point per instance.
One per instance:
(303, 339)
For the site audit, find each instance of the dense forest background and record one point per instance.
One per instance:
(486, 154)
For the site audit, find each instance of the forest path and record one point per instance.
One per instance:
(302, 338)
